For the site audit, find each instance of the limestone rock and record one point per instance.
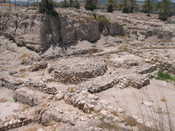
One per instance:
(61, 112)
(38, 66)
(133, 80)
(82, 100)
(30, 97)
(75, 70)
(40, 86)
(88, 31)
(100, 83)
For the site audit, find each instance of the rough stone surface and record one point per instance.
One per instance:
(38, 66)
(100, 83)
(133, 80)
(30, 97)
(109, 84)
(74, 70)
(82, 100)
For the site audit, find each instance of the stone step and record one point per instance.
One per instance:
(30, 97)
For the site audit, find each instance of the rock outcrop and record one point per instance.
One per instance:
(70, 28)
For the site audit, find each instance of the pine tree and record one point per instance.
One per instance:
(77, 4)
(129, 6)
(71, 2)
(132, 6)
(125, 6)
(110, 6)
(65, 3)
(148, 6)
(91, 5)
(47, 7)
(165, 9)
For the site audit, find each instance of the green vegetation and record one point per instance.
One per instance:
(70, 3)
(102, 18)
(129, 6)
(110, 6)
(47, 7)
(103, 21)
(165, 76)
(76, 4)
(165, 9)
(64, 4)
(148, 6)
(91, 5)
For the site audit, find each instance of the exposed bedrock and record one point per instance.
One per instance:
(30, 97)
(33, 30)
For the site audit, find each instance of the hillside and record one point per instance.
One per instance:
(78, 70)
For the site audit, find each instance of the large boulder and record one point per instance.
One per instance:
(113, 29)
(88, 31)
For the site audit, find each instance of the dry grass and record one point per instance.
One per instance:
(123, 48)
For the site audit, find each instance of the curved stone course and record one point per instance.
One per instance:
(75, 70)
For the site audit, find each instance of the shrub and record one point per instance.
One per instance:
(165, 10)
(165, 76)
(76, 4)
(91, 5)
(47, 7)
(110, 6)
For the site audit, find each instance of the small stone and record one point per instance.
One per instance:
(98, 108)
(40, 129)
(59, 96)
(148, 103)
(120, 110)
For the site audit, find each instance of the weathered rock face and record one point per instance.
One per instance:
(113, 29)
(90, 81)
(88, 31)
(23, 28)
(141, 27)
(30, 97)
(66, 29)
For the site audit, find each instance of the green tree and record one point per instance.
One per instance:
(129, 6)
(148, 6)
(110, 6)
(77, 4)
(125, 6)
(47, 7)
(132, 5)
(91, 5)
(71, 2)
(65, 4)
(165, 9)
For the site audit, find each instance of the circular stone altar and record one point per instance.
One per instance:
(77, 69)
